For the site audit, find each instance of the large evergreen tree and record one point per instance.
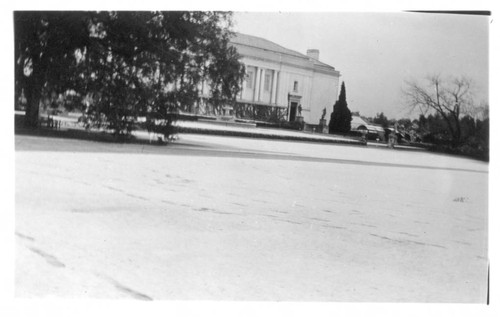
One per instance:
(45, 43)
(116, 66)
(340, 119)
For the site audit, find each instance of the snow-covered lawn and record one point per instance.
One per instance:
(356, 224)
(211, 126)
(369, 154)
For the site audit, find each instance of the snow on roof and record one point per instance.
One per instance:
(262, 43)
(357, 122)
(258, 42)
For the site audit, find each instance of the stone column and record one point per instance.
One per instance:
(275, 86)
(261, 83)
(257, 84)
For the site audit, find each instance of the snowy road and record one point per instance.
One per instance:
(215, 218)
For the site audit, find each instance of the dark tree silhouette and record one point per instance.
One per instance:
(450, 99)
(381, 119)
(341, 117)
(116, 66)
(45, 43)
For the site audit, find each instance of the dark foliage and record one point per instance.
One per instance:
(341, 117)
(381, 119)
(450, 126)
(450, 99)
(295, 125)
(116, 66)
(474, 141)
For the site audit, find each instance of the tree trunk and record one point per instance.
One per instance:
(32, 94)
(455, 139)
(458, 131)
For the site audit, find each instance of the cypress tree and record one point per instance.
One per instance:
(340, 119)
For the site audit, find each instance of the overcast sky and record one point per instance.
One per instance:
(376, 52)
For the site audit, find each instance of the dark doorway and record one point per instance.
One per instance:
(293, 111)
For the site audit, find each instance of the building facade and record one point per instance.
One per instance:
(282, 84)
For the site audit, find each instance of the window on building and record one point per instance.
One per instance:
(295, 86)
(249, 79)
(267, 81)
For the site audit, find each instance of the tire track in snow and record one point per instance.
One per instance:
(408, 241)
(125, 289)
(52, 260)
(131, 292)
(25, 237)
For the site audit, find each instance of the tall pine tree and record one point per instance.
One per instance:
(340, 119)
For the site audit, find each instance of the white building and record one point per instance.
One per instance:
(281, 81)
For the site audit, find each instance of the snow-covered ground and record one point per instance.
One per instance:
(203, 219)
(211, 126)
(370, 154)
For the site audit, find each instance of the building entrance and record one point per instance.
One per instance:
(293, 105)
(293, 111)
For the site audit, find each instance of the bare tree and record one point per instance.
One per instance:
(451, 99)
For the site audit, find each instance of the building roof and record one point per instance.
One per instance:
(263, 44)
(357, 121)
(258, 42)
